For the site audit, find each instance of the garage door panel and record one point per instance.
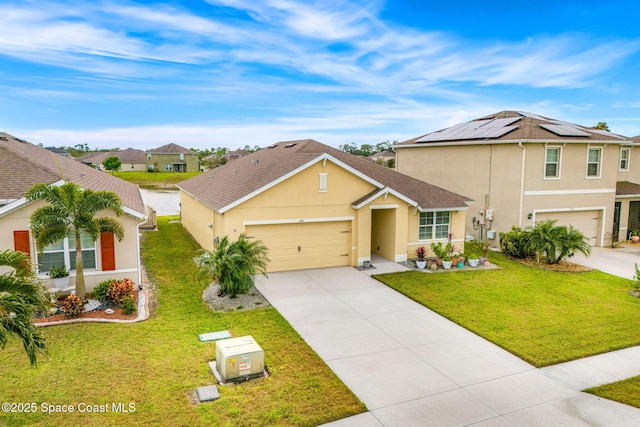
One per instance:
(305, 245)
(585, 221)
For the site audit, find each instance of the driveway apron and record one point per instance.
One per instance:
(412, 367)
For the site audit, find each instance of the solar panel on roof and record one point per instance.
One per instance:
(478, 129)
(564, 130)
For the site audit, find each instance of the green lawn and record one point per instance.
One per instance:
(157, 363)
(627, 391)
(544, 317)
(155, 179)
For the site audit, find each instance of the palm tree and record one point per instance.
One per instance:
(20, 298)
(72, 210)
(557, 242)
(233, 265)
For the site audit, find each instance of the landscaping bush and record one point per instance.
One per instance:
(128, 306)
(516, 243)
(100, 291)
(73, 306)
(119, 289)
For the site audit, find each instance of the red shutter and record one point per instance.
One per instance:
(21, 241)
(107, 249)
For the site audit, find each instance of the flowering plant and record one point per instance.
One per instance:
(420, 253)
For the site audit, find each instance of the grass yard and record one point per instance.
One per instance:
(543, 317)
(627, 391)
(155, 179)
(156, 364)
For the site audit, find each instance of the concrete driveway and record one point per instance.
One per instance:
(619, 262)
(412, 367)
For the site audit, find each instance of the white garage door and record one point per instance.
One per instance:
(585, 221)
(304, 245)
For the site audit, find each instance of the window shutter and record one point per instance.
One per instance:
(21, 241)
(107, 251)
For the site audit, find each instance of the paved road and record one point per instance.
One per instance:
(412, 367)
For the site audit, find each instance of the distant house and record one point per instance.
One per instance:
(132, 160)
(383, 157)
(172, 158)
(521, 168)
(23, 165)
(236, 154)
(59, 151)
(315, 206)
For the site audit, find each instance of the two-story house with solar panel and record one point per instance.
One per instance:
(520, 168)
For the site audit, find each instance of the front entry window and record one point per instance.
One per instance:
(434, 225)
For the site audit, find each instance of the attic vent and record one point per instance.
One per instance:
(235, 171)
(273, 146)
(255, 162)
(4, 138)
(289, 145)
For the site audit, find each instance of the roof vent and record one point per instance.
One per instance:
(255, 162)
(289, 145)
(235, 171)
(4, 138)
(273, 146)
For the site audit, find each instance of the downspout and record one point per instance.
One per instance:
(524, 158)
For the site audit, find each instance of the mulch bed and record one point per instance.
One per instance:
(95, 314)
(562, 266)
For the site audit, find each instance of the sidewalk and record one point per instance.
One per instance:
(412, 367)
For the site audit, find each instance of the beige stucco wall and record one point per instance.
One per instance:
(130, 167)
(126, 252)
(298, 198)
(633, 174)
(492, 176)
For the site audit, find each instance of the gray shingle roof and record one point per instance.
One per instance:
(514, 125)
(171, 149)
(223, 186)
(23, 164)
(130, 155)
(626, 188)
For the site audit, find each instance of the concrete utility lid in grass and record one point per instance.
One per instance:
(208, 393)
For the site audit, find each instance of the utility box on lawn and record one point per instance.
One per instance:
(239, 358)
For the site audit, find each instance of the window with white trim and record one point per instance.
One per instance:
(434, 225)
(63, 253)
(624, 159)
(552, 162)
(593, 162)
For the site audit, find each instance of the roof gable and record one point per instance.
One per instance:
(227, 186)
(24, 164)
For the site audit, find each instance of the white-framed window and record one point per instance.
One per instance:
(594, 156)
(323, 183)
(624, 159)
(434, 225)
(63, 253)
(552, 162)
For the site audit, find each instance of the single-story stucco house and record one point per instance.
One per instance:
(315, 206)
(24, 165)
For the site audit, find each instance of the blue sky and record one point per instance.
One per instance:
(234, 72)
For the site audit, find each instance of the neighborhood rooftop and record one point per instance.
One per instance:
(249, 174)
(130, 155)
(518, 126)
(171, 149)
(25, 164)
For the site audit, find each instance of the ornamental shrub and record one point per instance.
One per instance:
(128, 306)
(516, 243)
(73, 306)
(100, 291)
(119, 289)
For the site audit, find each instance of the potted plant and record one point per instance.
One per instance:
(60, 276)
(366, 263)
(473, 260)
(421, 261)
(446, 262)
(439, 251)
(460, 262)
(635, 236)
